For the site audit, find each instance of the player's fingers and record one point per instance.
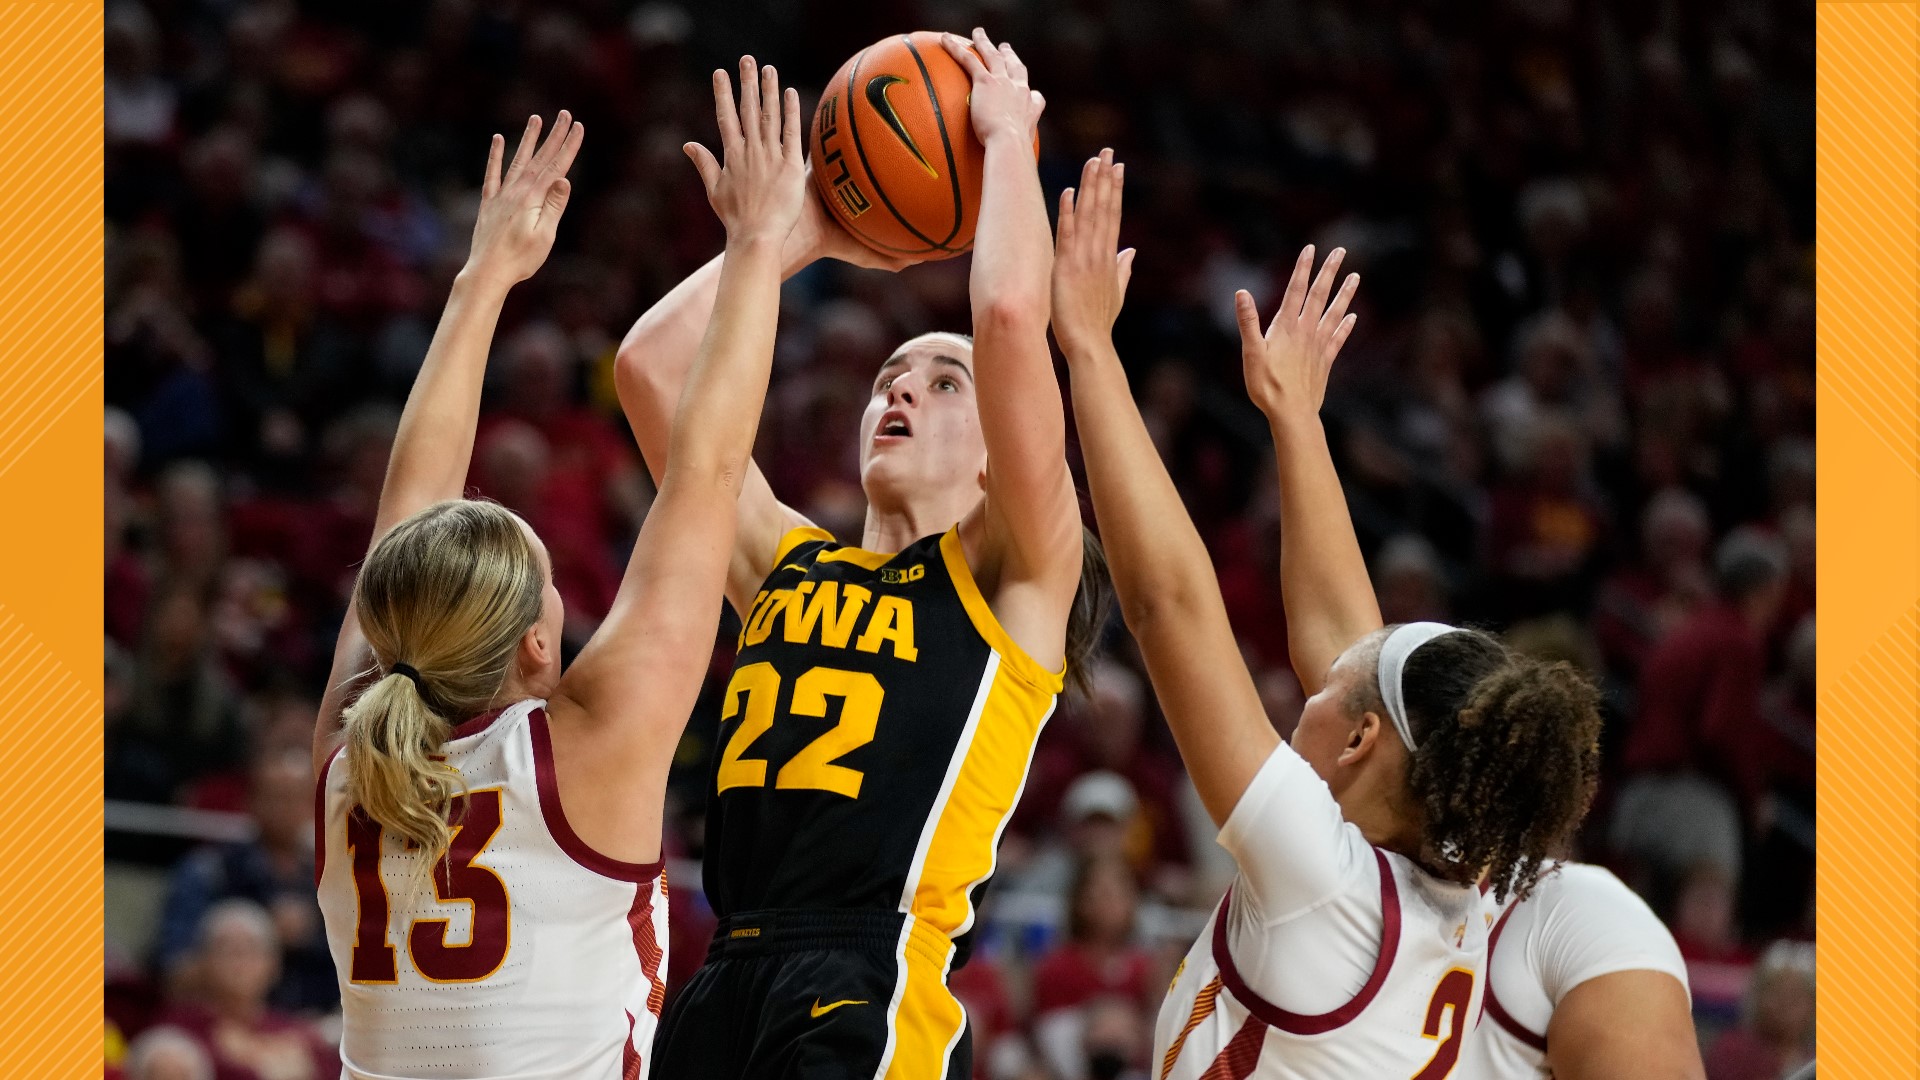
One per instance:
(1111, 220)
(528, 136)
(490, 183)
(749, 97)
(1340, 335)
(1063, 232)
(558, 193)
(1016, 68)
(989, 56)
(770, 107)
(1296, 293)
(549, 150)
(968, 60)
(569, 149)
(790, 124)
(724, 111)
(704, 164)
(1123, 271)
(1323, 285)
(1248, 316)
(1039, 103)
(1337, 310)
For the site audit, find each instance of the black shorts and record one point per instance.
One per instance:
(845, 995)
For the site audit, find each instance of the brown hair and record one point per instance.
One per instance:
(1509, 753)
(1092, 600)
(449, 592)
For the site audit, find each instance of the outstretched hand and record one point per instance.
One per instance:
(520, 209)
(1089, 276)
(761, 189)
(1002, 103)
(1286, 368)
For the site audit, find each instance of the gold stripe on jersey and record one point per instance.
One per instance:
(796, 536)
(860, 557)
(994, 754)
(989, 628)
(1203, 1005)
(927, 1019)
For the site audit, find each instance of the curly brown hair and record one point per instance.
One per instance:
(1509, 753)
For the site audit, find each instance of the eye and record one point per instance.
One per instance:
(885, 383)
(946, 383)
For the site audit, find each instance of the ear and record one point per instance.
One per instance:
(1362, 740)
(536, 652)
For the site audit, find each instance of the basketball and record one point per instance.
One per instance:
(893, 151)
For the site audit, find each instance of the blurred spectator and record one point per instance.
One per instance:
(167, 1053)
(275, 871)
(1107, 732)
(1697, 751)
(1107, 1039)
(1545, 531)
(1775, 1037)
(183, 720)
(1410, 582)
(239, 958)
(1099, 956)
(1642, 602)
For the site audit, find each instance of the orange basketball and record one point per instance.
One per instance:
(893, 149)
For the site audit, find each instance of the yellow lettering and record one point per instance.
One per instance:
(892, 621)
(760, 621)
(824, 609)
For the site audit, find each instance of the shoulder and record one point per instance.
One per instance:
(1584, 922)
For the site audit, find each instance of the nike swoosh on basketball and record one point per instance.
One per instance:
(820, 1010)
(877, 88)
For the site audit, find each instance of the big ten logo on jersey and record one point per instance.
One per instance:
(902, 575)
(839, 177)
(836, 615)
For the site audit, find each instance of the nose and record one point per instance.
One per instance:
(901, 391)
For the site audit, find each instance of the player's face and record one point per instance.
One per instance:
(921, 428)
(1327, 725)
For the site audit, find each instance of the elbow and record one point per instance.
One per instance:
(1012, 312)
(1157, 606)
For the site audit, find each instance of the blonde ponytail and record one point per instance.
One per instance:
(445, 598)
(392, 738)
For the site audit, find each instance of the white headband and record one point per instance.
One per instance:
(1393, 665)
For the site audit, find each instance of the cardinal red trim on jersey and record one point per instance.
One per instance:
(320, 816)
(556, 817)
(477, 724)
(1300, 1023)
(646, 945)
(1238, 1058)
(1492, 1007)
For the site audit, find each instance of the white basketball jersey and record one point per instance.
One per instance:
(1328, 958)
(1580, 923)
(529, 955)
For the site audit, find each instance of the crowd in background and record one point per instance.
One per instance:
(1578, 410)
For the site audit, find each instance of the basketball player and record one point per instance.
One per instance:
(885, 698)
(1353, 938)
(1584, 983)
(489, 849)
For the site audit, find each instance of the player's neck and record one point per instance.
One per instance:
(892, 525)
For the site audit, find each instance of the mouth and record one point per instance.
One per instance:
(893, 428)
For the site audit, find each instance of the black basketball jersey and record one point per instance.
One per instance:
(874, 738)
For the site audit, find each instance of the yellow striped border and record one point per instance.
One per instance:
(1869, 533)
(50, 543)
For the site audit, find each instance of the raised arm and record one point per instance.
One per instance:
(630, 691)
(514, 231)
(1161, 570)
(1031, 517)
(1328, 597)
(650, 372)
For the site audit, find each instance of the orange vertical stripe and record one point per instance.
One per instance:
(50, 481)
(1868, 160)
